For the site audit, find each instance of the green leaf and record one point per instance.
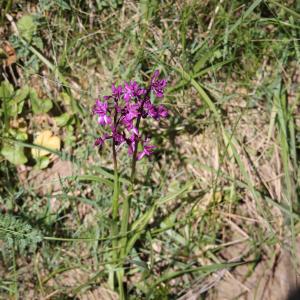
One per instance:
(22, 93)
(20, 98)
(139, 226)
(65, 98)
(39, 105)
(175, 194)
(62, 120)
(19, 135)
(12, 108)
(6, 90)
(62, 4)
(14, 154)
(27, 27)
(38, 42)
(15, 103)
(42, 162)
(70, 137)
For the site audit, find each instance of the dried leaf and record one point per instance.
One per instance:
(10, 53)
(45, 139)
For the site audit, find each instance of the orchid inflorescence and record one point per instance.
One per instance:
(122, 112)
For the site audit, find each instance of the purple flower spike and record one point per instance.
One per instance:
(124, 110)
(158, 86)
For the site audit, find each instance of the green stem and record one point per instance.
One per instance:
(115, 214)
(115, 200)
(127, 200)
(125, 218)
(115, 208)
(4, 9)
(126, 210)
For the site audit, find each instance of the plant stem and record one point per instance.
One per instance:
(126, 207)
(125, 217)
(127, 200)
(115, 201)
(133, 166)
(115, 208)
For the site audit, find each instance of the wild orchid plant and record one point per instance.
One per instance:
(121, 114)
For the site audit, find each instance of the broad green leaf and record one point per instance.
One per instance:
(18, 134)
(22, 93)
(15, 104)
(19, 99)
(27, 27)
(42, 162)
(62, 120)
(65, 98)
(39, 105)
(14, 154)
(38, 42)
(6, 90)
(12, 108)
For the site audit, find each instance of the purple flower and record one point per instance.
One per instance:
(117, 91)
(101, 109)
(131, 142)
(100, 141)
(117, 136)
(129, 114)
(103, 120)
(147, 151)
(162, 112)
(149, 109)
(132, 111)
(158, 86)
(132, 90)
(156, 112)
(135, 130)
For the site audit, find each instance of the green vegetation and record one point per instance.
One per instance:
(218, 200)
